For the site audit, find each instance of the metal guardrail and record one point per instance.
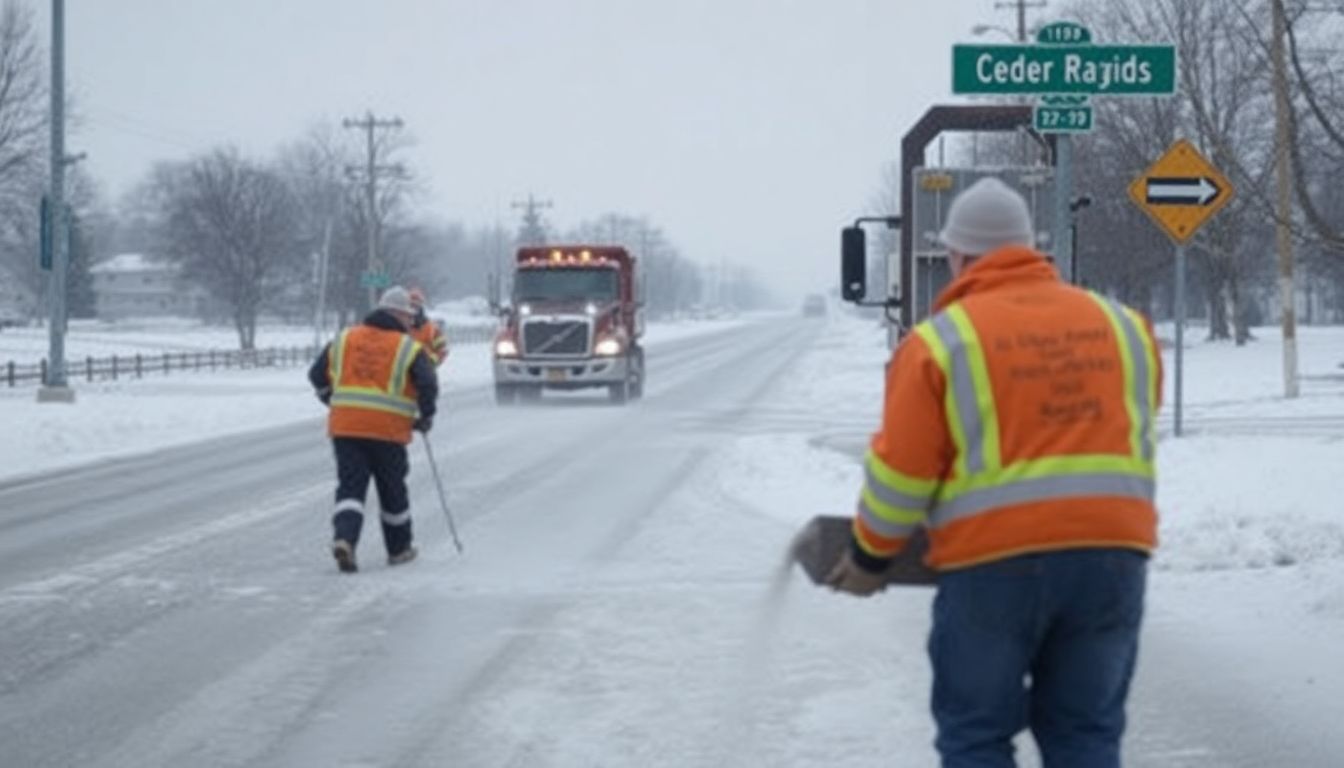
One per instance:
(139, 365)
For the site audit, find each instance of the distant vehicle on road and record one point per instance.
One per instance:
(814, 305)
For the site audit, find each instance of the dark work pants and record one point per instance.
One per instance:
(358, 459)
(1046, 642)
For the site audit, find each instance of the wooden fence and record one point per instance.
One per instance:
(139, 365)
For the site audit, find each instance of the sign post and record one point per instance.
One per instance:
(1064, 68)
(1180, 192)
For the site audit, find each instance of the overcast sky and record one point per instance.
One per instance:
(749, 130)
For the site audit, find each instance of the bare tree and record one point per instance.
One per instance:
(672, 282)
(23, 121)
(231, 225)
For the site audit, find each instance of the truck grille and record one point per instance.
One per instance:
(558, 338)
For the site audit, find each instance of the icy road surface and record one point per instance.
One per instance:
(618, 603)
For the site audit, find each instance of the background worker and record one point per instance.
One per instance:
(380, 384)
(1018, 430)
(426, 331)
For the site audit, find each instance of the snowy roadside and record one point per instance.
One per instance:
(1251, 559)
(117, 418)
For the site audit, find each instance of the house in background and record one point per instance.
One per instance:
(131, 285)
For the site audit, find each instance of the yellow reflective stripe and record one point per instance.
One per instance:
(1049, 488)
(1127, 365)
(898, 481)
(1140, 364)
(882, 524)
(374, 400)
(939, 351)
(1154, 361)
(895, 513)
(1049, 466)
(335, 359)
(406, 349)
(984, 391)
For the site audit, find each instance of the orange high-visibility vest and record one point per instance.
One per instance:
(433, 340)
(1018, 418)
(372, 395)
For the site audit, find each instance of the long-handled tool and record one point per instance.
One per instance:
(443, 498)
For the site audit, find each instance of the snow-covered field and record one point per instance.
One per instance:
(94, 338)
(159, 411)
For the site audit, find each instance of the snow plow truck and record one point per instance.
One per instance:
(572, 322)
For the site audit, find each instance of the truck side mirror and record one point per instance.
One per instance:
(853, 264)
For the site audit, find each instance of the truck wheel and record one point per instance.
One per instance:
(619, 393)
(505, 394)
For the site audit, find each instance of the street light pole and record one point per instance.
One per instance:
(54, 389)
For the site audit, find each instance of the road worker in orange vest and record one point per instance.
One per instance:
(381, 385)
(426, 331)
(1018, 430)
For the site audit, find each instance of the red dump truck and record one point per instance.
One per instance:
(573, 321)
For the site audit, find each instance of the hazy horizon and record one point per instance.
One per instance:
(749, 131)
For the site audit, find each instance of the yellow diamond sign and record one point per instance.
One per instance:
(1181, 191)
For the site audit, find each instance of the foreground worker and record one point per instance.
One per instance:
(380, 385)
(427, 331)
(1018, 430)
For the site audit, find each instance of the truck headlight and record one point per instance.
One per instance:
(506, 348)
(608, 347)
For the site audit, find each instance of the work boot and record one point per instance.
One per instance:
(404, 556)
(345, 556)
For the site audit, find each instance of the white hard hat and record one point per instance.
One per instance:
(986, 216)
(396, 298)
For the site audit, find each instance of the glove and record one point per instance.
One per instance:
(323, 394)
(849, 576)
(423, 424)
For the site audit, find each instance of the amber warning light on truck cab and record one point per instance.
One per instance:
(561, 257)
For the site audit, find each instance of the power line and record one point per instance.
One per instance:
(373, 172)
(1021, 6)
(532, 232)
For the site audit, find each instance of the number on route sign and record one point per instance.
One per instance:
(1181, 191)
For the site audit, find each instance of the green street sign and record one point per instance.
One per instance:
(1096, 70)
(1073, 119)
(375, 279)
(44, 257)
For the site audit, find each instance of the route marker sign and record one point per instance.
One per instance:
(1051, 119)
(1181, 191)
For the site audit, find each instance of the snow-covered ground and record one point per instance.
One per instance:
(1249, 576)
(595, 622)
(159, 411)
(146, 336)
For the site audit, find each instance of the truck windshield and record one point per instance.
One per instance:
(568, 284)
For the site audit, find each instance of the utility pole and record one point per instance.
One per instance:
(532, 232)
(1021, 6)
(1284, 182)
(372, 172)
(55, 389)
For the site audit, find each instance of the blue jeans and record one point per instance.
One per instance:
(1046, 642)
